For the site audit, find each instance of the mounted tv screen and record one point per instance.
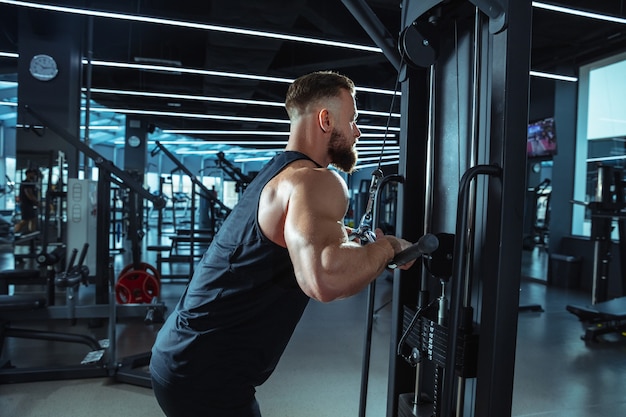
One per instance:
(541, 140)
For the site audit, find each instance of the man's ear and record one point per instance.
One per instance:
(323, 119)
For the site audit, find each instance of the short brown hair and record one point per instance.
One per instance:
(315, 86)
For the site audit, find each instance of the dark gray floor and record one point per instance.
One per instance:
(557, 374)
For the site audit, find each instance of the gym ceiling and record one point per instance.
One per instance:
(212, 75)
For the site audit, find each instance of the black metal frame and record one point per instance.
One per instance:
(480, 119)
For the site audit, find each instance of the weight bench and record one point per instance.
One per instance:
(601, 318)
(27, 239)
(170, 259)
(202, 240)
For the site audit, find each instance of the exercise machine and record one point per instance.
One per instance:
(101, 359)
(464, 97)
(105, 305)
(426, 246)
(191, 238)
(605, 315)
(19, 308)
(234, 173)
(540, 214)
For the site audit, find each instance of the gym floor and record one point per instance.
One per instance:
(557, 374)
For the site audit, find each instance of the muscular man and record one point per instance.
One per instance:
(283, 244)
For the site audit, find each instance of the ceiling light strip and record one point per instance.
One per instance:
(251, 151)
(191, 115)
(377, 164)
(185, 97)
(215, 99)
(243, 142)
(192, 152)
(254, 159)
(199, 143)
(374, 146)
(231, 150)
(192, 25)
(395, 149)
(378, 113)
(214, 117)
(553, 76)
(606, 158)
(375, 158)
(101, 127)
(245, 76)
(165, 68)
(225, 74)
(392, 158)
(581, 13)
(250, 132)
(369, 144)
(223, 132)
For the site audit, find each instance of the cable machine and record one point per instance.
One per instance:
(463, 69)
(234, 173)
(476, 94)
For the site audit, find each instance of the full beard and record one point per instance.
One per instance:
(342, 155)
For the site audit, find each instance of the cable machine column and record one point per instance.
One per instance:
(478, 53)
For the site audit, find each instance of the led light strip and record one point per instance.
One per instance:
(206, 152)
(575, 12)
(226, 74)
(192, 25)
(213, 116)
(252, 159)
(215, 99)
(185, 97)
(240, 76)
(247, 132)
(190, 115)
(553, 76)
(376, 164)
(606, 158)
(223, 132)
(375, 158)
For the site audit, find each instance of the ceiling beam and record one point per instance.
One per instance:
(375, 29)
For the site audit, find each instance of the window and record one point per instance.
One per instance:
(601, 131)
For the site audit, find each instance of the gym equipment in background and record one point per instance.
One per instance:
(605, 315)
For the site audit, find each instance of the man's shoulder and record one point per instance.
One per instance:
(313, 174)
(319, 182)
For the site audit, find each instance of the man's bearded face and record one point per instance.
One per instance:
(343, 154)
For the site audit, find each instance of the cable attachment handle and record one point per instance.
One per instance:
(364, 231)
